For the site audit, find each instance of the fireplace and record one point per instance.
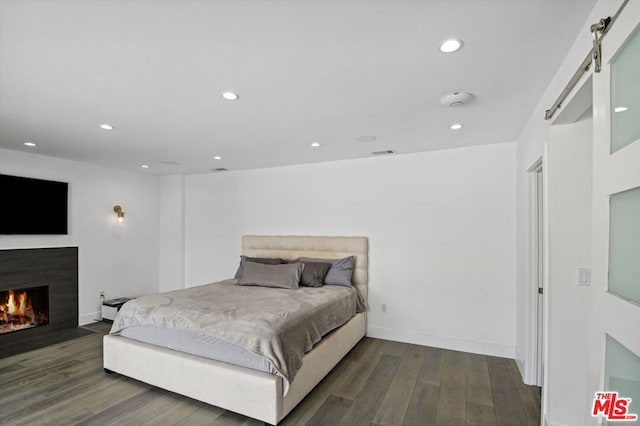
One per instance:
(38, 297)
(24, 308)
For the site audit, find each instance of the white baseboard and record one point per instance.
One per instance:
(519, 362)
(548, 423)
(89, 318)
(463, 345)
(528, 377)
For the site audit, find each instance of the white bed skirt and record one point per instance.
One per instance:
(252, 393)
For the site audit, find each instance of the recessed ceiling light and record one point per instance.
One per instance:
(144, 166)
(456, 126)
(106, 126)
(450, 46)
(620, 109)
(315, 144)
(230, 96)
(217, 157)
(29, 144)
(170, 163)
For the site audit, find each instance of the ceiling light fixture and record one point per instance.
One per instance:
(450, 46)
(145, 166)
(217, 157)
(456, 126)
(366, 138)
(230, 96)
(106, 126)
(29, 144)
(315, 144)
(620, 109)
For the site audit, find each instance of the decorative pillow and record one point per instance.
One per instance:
(340, 272)
(276, 276)
(263, 260)
(314, 273)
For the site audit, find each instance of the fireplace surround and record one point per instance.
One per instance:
(53, 268)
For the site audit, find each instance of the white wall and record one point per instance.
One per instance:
(441, 229)
(119, 263)
(530, 148)
(171, 238)
(568, 174)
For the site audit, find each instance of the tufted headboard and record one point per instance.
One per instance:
(292, 247)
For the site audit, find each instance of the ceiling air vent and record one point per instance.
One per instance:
(384, 152)
(219, 169)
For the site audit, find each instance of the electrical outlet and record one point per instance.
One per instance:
(384, 308)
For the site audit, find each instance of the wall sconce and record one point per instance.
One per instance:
(119, 214)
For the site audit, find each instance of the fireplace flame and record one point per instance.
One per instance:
(16, 312)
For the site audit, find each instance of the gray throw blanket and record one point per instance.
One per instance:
(278, 324)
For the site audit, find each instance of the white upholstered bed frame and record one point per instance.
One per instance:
(250, 392)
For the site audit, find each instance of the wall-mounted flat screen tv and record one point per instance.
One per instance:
(32, 206)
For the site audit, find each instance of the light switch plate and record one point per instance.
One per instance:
(583, 277)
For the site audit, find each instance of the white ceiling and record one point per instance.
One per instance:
(326, 71)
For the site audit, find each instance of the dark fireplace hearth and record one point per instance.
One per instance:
(38, 297)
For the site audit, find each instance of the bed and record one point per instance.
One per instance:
(256, 394)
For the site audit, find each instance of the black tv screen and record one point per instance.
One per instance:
(32, 206)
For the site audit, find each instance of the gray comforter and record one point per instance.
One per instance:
(278, 324)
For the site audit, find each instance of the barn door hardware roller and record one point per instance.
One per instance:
(597, 31)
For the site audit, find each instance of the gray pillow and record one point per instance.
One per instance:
(314, 273)
(340, 272)
(263, 260)
(276, 276)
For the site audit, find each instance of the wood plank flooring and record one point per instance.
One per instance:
(379, 383)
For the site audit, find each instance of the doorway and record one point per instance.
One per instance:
(535, 287)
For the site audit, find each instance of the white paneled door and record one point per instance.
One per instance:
(615, 325)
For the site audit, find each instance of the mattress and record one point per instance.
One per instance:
(265, 329)
(199, 344)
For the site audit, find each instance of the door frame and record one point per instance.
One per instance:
(535, 273)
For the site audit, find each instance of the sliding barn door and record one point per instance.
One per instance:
(615, 326)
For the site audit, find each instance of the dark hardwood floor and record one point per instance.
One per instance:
(378, 383)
